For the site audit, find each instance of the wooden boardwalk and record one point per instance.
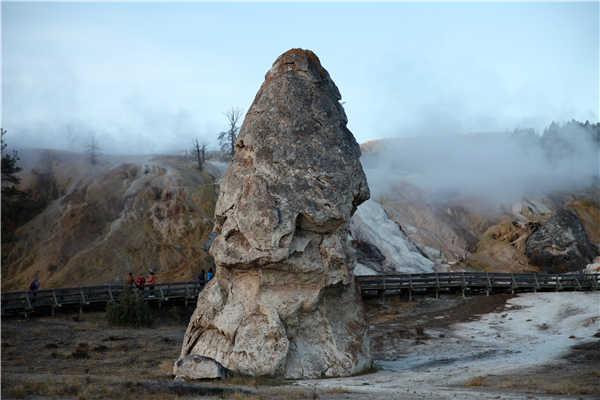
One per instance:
(51, 300)
(474, 283)
(465, 284)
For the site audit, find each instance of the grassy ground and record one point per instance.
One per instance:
(68, 357)
(578, 373)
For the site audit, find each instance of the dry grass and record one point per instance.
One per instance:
(338, 390)
(254, 381)
(554, 385)
(46, 388)
(476, 381)
(244, 396)
(165, 368)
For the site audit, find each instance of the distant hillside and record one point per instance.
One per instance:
(473, 201)
(126, 214)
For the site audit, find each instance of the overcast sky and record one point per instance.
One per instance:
(149, 77)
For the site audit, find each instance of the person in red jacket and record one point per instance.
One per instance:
(151, 281)
(140, 282)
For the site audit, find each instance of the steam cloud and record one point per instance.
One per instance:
(497, 167)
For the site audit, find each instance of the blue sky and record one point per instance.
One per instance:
(149, 77)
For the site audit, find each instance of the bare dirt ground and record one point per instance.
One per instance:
(419, 347)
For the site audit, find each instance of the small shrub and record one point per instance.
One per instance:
(130, 310)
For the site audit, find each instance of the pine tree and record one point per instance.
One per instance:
(12, 197)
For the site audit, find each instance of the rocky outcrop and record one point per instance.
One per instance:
(382, 246)
(561, 244)
(283, 302)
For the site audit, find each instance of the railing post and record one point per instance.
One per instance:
(488, 283)
(437, 286)
(382, 292)
(54, 304)
(82, 302)
(29, 303)
(55, 298)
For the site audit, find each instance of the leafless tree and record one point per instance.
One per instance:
(228, 137)
(199, 151)
(93, 149)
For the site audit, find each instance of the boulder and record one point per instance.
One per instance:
(561, 244)
(283, 301)
(594, 267)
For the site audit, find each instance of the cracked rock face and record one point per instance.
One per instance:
(284, 302)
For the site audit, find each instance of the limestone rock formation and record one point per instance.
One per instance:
(561, 244)
(283, 301)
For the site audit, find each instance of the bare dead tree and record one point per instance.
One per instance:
(93, 149)
(199, 151)
(228, 137)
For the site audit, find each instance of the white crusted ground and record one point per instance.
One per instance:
(533, 330)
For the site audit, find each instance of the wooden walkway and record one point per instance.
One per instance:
(51, 300)
(465, 284)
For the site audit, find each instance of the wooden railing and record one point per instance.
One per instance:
(475, 283)
(465, 283)
(53, 299)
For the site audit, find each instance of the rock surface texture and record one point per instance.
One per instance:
(561, 244)
(284, 302)
(381, 245)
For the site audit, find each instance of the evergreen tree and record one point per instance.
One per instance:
(18, 206)
(12, 197)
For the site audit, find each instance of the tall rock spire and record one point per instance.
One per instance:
(284, 302)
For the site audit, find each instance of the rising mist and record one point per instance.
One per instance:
(496, 167)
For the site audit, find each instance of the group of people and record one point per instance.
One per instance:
(140, 282)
